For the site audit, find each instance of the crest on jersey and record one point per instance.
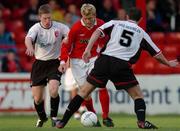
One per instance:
(56, 33)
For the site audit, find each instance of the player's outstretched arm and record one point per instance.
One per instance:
(87, 53)
(172, 63)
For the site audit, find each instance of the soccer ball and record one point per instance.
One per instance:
(88, 119)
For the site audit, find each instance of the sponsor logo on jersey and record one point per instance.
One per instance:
(85, 41)
(44, 44)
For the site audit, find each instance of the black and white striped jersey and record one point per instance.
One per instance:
(127, 40)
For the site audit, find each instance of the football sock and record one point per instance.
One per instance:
(104, 100)
(54, 106)
(40, 110)
(72, 107)
(140, 109)
(89, 105)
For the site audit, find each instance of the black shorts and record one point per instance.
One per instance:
(114, 69)
(43, 71)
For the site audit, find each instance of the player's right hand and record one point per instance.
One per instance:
(62, 68)
(173, 63)
(30, 51)
(86, 55)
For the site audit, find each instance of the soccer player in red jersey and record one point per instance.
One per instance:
(74, 47)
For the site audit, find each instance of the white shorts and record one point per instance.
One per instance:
(69, 81)
(80, 69)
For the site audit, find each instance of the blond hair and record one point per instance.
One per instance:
(88, 10)
(44, 9)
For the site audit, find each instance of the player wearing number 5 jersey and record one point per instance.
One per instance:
(127, 40)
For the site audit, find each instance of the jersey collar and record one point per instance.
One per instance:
(132, 21)
(48, 27)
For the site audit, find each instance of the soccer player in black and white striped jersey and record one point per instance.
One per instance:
(43, 40)
(122, 50)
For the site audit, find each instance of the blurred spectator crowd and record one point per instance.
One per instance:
(17, 16)
(163, 15)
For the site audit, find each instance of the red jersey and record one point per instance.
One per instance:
(78, 38)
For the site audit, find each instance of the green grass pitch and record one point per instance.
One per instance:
(122, 123)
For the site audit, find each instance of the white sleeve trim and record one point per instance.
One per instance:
(102, 33)
(157, 53)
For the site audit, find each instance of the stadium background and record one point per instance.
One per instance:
(160, 84)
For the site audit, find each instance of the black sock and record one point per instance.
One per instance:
(54, 106)
(40, 110)
(72, 107)
(140, 109)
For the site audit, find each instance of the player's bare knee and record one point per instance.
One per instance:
(83, 93)
(38, 100)
(135, 92)
(53, 91)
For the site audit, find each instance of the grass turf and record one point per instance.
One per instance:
(122, 122)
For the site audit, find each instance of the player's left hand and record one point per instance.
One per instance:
(86, 55)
